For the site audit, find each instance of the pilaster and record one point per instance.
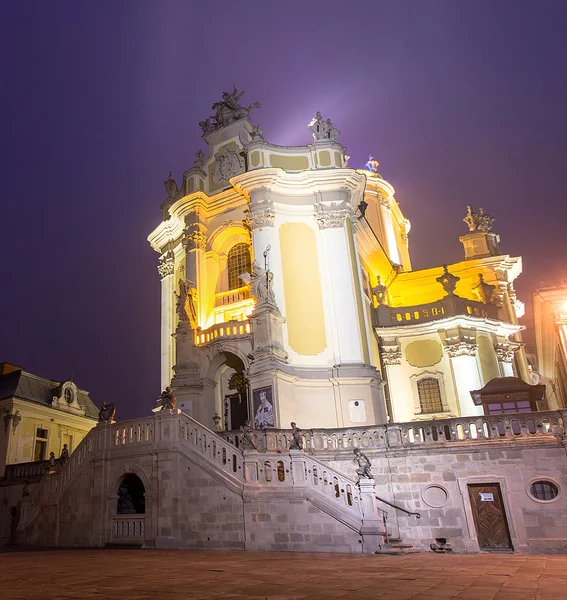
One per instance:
(166, 269)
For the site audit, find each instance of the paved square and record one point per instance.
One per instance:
(176, 574)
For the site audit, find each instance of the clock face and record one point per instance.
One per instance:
(68, 395)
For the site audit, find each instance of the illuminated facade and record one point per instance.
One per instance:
(353, 336)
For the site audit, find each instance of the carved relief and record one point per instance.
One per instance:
(261, 218)
(505, 354)
(391, 357)
(193, 238)
(333, 215)
(166, 264)
(461, 349)
(229, 163)
(383, 200)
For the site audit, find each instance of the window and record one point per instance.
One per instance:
(508, 408)
(68, 395)
(238, 263)
(544, 490)
(429, 394)
(40, 450)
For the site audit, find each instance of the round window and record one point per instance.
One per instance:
(68, 395)
(544, 490)
(435, 496)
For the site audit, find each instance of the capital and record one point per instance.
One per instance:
(166, 264)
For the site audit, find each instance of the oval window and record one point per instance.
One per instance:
(544, 490)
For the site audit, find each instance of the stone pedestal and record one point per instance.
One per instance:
(372, 529)
(479, 244)
(187, 384)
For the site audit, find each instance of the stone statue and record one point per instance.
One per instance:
(296, 442)
(372, 164)
(200, 158)
(125, 505)
(106, 412)
(379, 291)
(323, 130)
(484, 221)
(257, 133)
(261, 284)
(227, 111)
(471, 219)
(186, 299)
(51, 463)
(364, 465)
(484, 291)
(246, 441)
(171, 186)
(64, 453)
(448, 281)
(168, 400)
(216, 421)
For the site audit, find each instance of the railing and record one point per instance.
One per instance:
(223, 331)
(128, 528)
(450, 306)
(25, 471)
(209, 445)
(521, 426)
(232, 297)
(408, 512)
(124, 434)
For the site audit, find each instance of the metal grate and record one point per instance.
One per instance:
(238, 263)
(544, 490)
(429, 395)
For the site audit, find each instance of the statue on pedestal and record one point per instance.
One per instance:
(323, 130)
(246, 441)
(372, 164)
(364, 465)
(261, 284)
(168, 400)
(296, 442)
(448, 281)
(227, 111)
(107, 412)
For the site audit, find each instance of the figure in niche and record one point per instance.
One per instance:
(364, 465)
(264, 416)
(125, 505)
(296, 441)
(107, 412)
(64, 453)
(246, 441)
(168, 400)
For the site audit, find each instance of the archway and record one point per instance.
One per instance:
(131, 496)
(232, 391)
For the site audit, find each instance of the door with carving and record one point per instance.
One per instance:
(490, 517)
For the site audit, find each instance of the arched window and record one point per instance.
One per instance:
(238, 263)
(131, 500)
(429, 395)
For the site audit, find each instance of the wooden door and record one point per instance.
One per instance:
(489, 517)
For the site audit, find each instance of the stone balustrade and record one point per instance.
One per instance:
(128, 529)
(521, 426)
(450, 306)
(27, 471)
(223, 331)
(232, 296)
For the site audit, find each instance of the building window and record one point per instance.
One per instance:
(544, 490)
(508, 408)
(68, 395)
(238, 263)
(429, 394)
(40, 451)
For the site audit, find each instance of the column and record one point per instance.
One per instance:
(505, 356)
(342, 276)
(166, 269)
(386, 214)
(195, 242)
(466, 374)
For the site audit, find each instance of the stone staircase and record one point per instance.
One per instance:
(397, 547)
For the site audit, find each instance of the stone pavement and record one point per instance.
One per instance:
(185, 574)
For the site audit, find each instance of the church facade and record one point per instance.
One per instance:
(288, 298)
(351, 336)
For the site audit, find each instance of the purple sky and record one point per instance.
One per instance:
(461, 102)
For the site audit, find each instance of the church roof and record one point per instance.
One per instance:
(25, 386)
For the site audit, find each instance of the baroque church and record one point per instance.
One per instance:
(286, 275)
(320, 395)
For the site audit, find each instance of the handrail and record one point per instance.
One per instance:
(408, 512)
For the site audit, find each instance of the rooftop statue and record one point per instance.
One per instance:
(372, 164)
(478, 222)
(171, 186)
(448, 281)
(107, 412)
(227, 111)
(168, 399)
(323, 130)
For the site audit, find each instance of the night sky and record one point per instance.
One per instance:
(461, 102)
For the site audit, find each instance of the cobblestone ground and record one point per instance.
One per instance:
(167, 574)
